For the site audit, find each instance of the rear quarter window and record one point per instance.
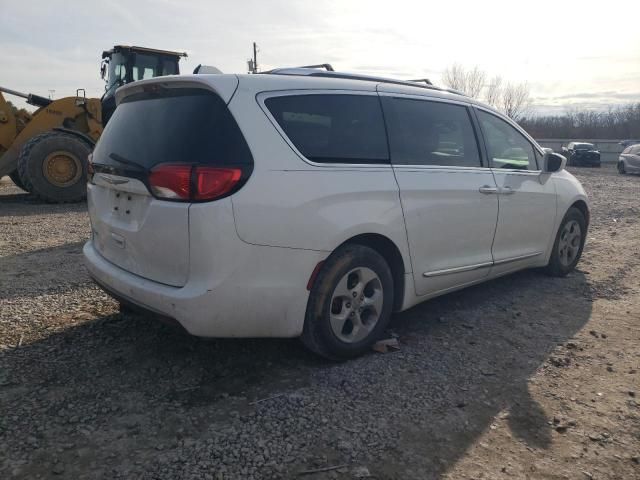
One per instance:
(333, 128)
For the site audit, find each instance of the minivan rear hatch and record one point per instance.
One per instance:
(170, 127)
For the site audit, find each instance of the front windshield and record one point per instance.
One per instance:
(117, 71)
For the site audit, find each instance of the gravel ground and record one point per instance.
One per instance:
(523, 377)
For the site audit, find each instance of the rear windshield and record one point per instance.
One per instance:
(175, 125)
(583, 146)
(333, 128)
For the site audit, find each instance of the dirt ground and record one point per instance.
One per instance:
(524, 377)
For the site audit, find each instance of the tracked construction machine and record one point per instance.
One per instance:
(45, 152)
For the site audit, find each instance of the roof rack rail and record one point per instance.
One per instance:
(326, 66)
(355, 76)
(422, 80)
(313, 71)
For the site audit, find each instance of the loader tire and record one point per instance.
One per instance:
(53, 166)
(15, 178)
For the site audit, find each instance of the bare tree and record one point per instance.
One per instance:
(454, 76)
(475, 82)
(469, 82)
(493, 91)
(515, 100)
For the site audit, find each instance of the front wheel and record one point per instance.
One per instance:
(567, 248)
(350, 303)
(53, 166)
(621, 169)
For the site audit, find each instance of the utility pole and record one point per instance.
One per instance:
(253, 62)
(255, 58)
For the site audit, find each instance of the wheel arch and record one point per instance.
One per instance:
(584, 209)
(77, 134)
(391, 253)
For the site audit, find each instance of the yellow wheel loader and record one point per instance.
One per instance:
(45, 152)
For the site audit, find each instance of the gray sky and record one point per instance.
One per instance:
(571, 53)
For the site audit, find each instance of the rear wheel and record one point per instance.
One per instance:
(53, 166)
(567, 248)
(621, 169)
(350, 303)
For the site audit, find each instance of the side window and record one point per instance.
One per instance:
(423, 132)
(330, 128)
(506, 147)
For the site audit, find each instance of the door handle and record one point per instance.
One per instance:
(507, 191)
(487, 190)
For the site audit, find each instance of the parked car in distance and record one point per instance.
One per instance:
(581, 154)
(313, 204)
(626, 143)
(629, 160)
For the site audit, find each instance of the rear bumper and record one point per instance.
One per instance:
(263, 295)
(586, 160)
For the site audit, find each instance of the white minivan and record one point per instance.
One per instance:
(313, 204)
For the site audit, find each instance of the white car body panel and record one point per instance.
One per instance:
(231, 291)
(526, 223)
(450, 224)
(137, 232)
(239, 266)
(630, 158)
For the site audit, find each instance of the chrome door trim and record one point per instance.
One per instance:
(477, 266)
(518, 258)
(447, 271)
(486, 189)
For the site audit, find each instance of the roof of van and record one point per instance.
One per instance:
(341, 81)
(265, 82)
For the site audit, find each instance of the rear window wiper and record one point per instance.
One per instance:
(124, 161)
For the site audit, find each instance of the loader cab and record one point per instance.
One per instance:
(123, 64)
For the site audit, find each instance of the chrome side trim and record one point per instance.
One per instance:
(447, 271)
(518, 258)
(468, 268)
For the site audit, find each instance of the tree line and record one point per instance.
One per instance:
(622, 122)
(514, 100)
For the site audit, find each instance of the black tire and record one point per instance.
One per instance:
(318, 334)
(15, 178)
(556, 267)
(126, 309)
(31, 164)
(621, 169)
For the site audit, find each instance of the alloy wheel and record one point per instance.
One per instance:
(356, 305)
(569, 244)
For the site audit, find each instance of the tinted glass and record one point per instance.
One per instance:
(430, 133)
(174, 126)
(583, 146)
(333, 128)
(506, 146)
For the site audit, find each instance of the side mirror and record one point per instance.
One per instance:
(103, 70)
(553, 162)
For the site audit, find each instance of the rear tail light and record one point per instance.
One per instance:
(193, 182)
(211, 182)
